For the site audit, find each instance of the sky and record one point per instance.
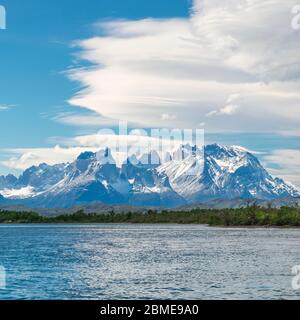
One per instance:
(69, 68)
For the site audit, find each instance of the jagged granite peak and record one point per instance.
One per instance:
(150, 159)
(190, 175)
(42, 177)
(227, 172)
(8, 181)
(86, 155)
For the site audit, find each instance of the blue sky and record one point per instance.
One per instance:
(246, 101)
(35, 51)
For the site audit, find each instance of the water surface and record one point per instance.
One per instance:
(147, 262)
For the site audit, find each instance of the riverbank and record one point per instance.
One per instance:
(249, 217)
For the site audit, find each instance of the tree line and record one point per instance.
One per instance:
(250, 216)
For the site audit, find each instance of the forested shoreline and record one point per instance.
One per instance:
(250, 216)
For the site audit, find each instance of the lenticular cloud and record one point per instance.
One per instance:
(188, 68)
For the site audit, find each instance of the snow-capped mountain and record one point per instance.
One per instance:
(190, 175)
(228, 173)
(8, 182)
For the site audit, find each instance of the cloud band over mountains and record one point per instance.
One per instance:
(189, 68)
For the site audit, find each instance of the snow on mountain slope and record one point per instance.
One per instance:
(190, 175)
(22, 193)
(95, 177)
(32, 182)
(227, 173)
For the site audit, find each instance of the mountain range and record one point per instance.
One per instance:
(190, 175)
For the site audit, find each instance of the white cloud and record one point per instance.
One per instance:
(188, 68)
(25, 158)
(252, 35)
(284, 163)
(83, 120)
(121, 145)
(230, 108)
(167, 116)
(136, 138)
(4, 107)
(136, 141)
